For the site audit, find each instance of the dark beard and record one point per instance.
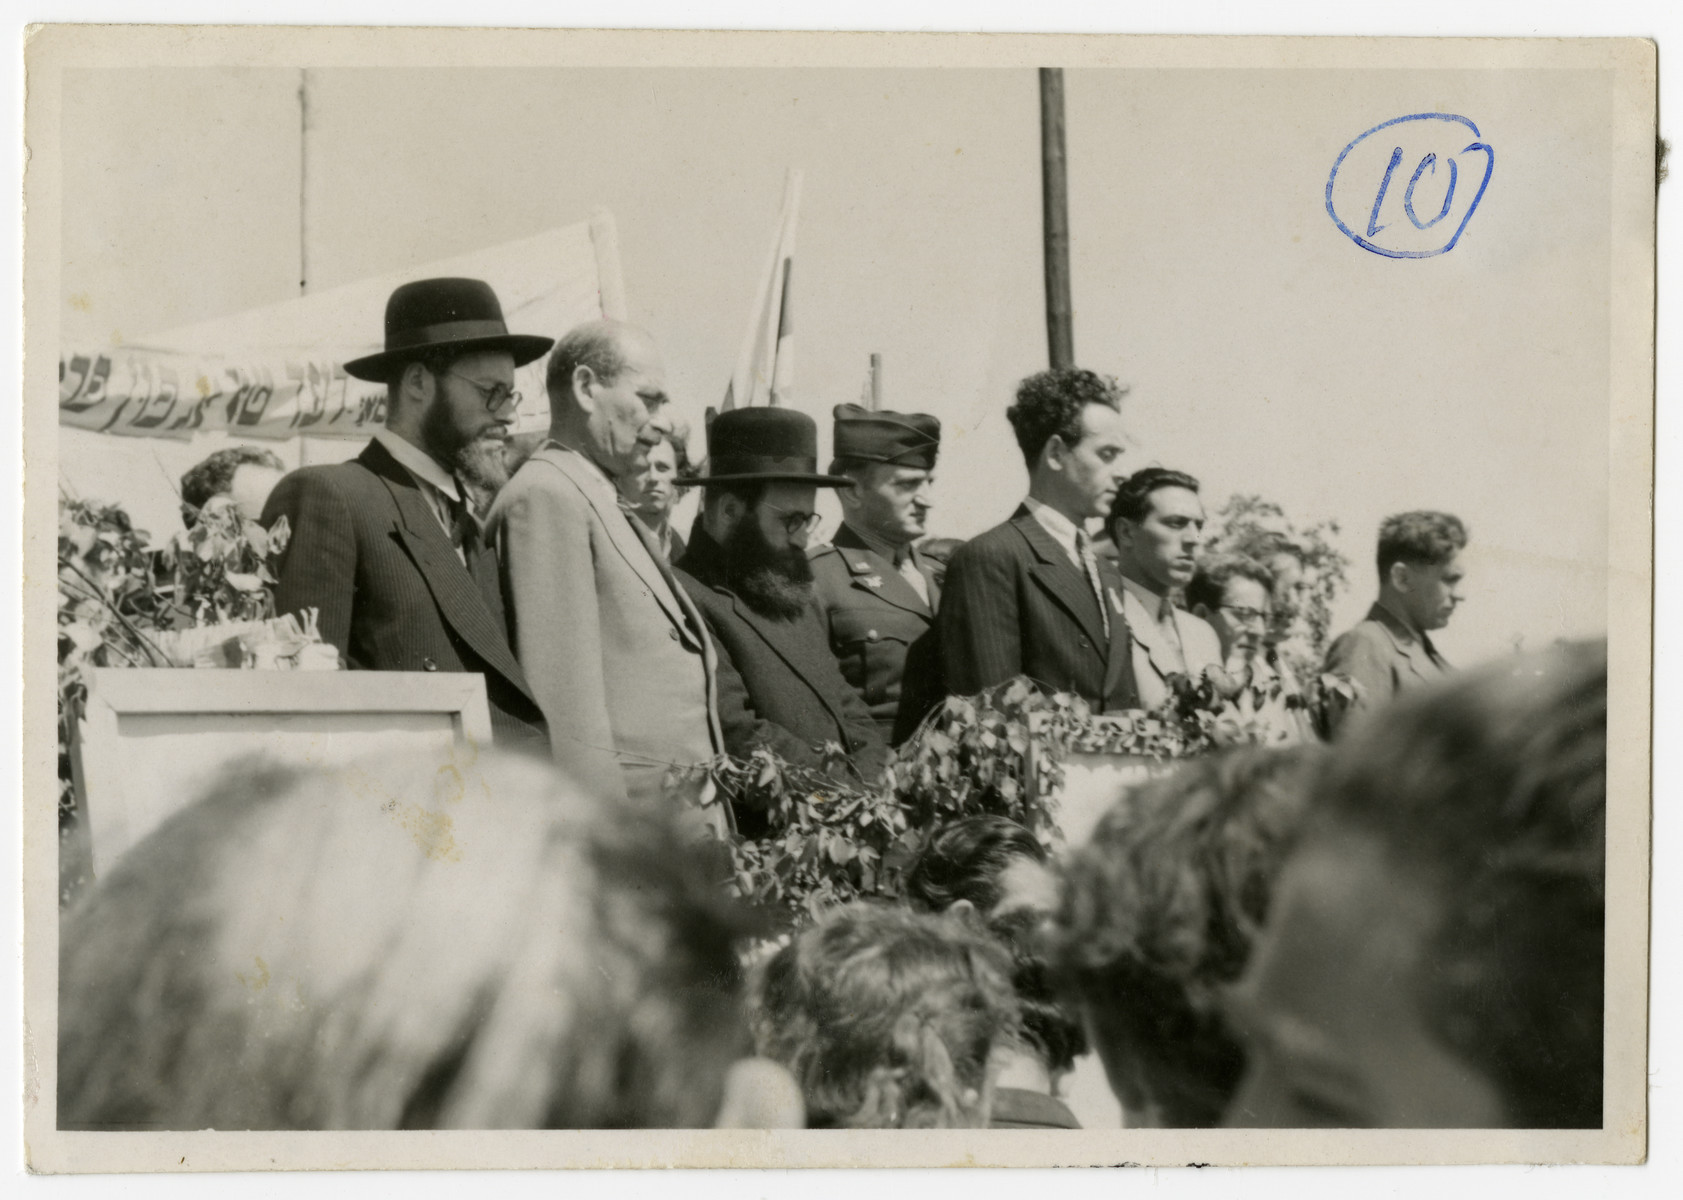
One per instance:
(777, 584)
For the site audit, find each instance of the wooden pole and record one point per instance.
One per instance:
(876, 383)
(1054, 191)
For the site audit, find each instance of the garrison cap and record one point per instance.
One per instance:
(902, 439)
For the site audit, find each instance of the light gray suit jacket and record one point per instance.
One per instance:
(1154, 658)
(614, 649)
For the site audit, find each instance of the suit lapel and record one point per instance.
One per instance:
(1402, 637)
(1061, 579)
(779, 635)
(1144, 629)
(453, 589)
(631, 541)
(1120, 655)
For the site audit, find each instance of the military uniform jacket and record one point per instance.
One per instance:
(779, 686)
(873, 615)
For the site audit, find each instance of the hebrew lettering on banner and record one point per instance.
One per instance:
(139, 393)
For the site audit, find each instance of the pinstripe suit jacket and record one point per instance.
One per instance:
(371, 557)
(1014, 604)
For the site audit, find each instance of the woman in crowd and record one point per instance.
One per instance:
(1435, 959)
(412, 945)
(889, 1019)
(1160, 911)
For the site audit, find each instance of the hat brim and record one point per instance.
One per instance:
(380, 368)
(830, 481)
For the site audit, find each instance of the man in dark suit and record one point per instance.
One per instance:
(1390, 651)
(877, 594)
(386, 548)
(1030, 597)
(746, 568)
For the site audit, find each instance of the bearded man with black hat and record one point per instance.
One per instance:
(876, 592)
(746, 567)
(386, 547)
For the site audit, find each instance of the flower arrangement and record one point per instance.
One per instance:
(222, 565)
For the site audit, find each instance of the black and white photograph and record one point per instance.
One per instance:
(678, 599)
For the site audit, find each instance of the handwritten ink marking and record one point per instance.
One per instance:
(1438, 138)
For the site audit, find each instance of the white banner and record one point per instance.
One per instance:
(274, 372)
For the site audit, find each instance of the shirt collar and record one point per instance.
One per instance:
(1158, 606)
(1062, 529)
(896, 555)
(419, 463)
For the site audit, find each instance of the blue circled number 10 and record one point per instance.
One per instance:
(1359, 161)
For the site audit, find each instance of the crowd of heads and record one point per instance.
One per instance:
(1405, 929)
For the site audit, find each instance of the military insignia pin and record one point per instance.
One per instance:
(871, 581)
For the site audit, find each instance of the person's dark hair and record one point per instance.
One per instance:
(1209, 582)
(594, 344)
(888, 1018)
(1493, 790)
(1133, 497)
(400, 946)
(1421, 539)
(1160, 912)
(1051, 402)
(964, 859)
(215, 474)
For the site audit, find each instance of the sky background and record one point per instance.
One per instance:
(1265, 352)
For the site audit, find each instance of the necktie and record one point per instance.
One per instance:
(1090, 564)
(476, 556)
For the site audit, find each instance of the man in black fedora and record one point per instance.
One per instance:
(746, 567)
(386, 547)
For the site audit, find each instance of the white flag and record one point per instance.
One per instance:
(765, 367)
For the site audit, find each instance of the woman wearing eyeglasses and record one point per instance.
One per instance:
(1234, 594)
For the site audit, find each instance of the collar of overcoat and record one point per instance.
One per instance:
(800, 643)
(453, 590)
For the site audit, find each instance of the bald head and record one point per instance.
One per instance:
(607, 393)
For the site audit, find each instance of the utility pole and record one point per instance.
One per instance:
(1054, 191)
(876, 383)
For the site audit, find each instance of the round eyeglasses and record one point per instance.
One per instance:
(496, 396)
(795, 523)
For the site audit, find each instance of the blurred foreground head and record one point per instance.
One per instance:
(401, 945)
(888, 1019)
(1160, 911)
(1435, 956)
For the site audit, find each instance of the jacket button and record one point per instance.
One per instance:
(672, 633)
(872, 635)
(427, 664)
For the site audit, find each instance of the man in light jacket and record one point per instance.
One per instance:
(616, 652)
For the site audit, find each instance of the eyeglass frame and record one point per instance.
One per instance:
(1247, 615)
(795, 522)
(510, 399)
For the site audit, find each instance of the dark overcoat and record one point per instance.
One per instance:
(779, 685)
(369, 555)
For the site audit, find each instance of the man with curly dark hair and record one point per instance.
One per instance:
(247, 473)
(993, 869)
(1391, 652)
(1435, 958)
(1031, 597)
(1160, 911)
(888, 1019)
